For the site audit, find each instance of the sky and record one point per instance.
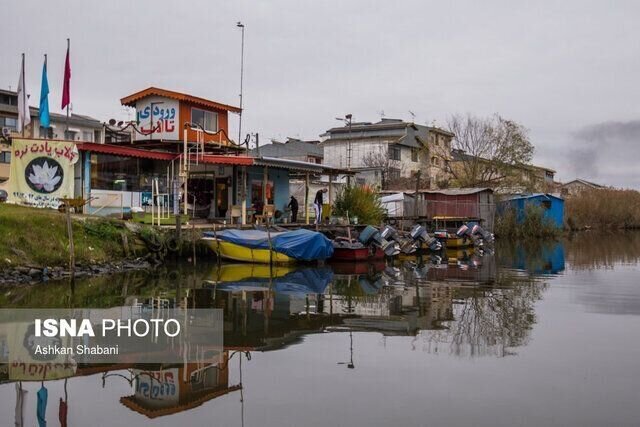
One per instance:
(568, 71)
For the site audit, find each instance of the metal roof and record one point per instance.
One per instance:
(296, 165)
(150, 91)
(532, 196)
(446, 191)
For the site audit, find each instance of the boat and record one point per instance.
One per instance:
(299, 282)
(264, 247)
(350, 250)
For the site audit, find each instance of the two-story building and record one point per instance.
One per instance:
(76, 127)
(388, 150)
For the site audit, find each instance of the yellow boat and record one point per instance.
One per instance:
(458, 242)
(241, 253)
(238, 272)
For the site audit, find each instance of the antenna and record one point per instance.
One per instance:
(381, 113)
(413, 116)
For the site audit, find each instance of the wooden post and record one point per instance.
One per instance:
(243, 208)
(415, 196)
(193, 243)
(265, 181)
(72, 257)
(306, 198)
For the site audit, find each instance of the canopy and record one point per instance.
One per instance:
(303, 245)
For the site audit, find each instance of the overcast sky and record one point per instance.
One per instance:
(566, 70)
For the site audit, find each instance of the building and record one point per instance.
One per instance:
(553, 207)
(452, 205)
(76, 128)
(388, 150)
(577, 186)
(293, 149)
(467, 169)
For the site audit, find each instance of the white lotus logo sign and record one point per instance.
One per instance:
(44, 175)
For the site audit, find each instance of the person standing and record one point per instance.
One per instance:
(317, 205)
(293, 205)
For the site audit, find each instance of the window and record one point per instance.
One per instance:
(5, 157)
(87, 136)
(256, 192)
(414, 154)
(70, 135)
(207, 119)
(434, 161)
(394, 152)
(546, 204)
(394, 173)
(110, 172)
(9, 122)
(46, 133)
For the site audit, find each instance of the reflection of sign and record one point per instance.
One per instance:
(157, 118)
(158, 388)
(42, 172)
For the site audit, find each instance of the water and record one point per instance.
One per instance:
(542, 335)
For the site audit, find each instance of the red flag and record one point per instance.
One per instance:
(66, 89)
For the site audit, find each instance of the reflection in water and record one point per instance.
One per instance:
(462, 305)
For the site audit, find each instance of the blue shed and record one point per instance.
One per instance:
(553, 206)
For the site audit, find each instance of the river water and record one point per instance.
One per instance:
(536, 335)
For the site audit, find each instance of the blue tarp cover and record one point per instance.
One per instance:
(303, 245)
(298, 282)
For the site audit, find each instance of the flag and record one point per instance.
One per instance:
(24, 116)
(44, 97)
(66, 89)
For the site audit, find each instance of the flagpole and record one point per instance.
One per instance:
(68, 54)
(24, 96)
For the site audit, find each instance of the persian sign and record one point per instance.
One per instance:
(157, 118)
(42, 172)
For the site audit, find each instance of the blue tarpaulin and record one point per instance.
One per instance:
(299, 282)
(303, 245)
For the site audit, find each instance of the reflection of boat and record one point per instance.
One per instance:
(297, 282)
(236, 272)
(264, 247)
(370, 267)
(450, 240)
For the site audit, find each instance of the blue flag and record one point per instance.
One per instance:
(44, 97)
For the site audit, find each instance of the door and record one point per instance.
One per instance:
(222, 196)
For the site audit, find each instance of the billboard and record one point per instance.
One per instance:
(157, 118)
(41, 172)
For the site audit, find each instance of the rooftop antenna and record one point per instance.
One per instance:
(382, 115)
(413, 116)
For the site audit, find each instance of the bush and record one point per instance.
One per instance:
(604, 208)
(533, 224)
(361, 202)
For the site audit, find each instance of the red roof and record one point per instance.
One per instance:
(118, 150)
(124, 151)
(132, 99)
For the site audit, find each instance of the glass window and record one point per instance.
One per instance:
(5, 157)
(394, 152)
(110, 172)
(9, 122)
(70, 135)
(87, 136)
(207, 119)
(46, 133)
(394, 173)
(414, 154)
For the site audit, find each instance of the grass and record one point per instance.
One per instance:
(533, 225)
(38, 237)
(603, 209)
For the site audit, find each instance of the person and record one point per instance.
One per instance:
(293, 204)
(258, 207)
(317, 204)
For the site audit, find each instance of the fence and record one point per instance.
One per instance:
(428, 209)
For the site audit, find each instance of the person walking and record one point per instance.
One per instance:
(293, 205)
(317, 204)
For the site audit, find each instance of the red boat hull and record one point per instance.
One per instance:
(350, 254)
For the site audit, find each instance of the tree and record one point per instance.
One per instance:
(381, 161)
(488, 151)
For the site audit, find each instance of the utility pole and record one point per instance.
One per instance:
(241, 26)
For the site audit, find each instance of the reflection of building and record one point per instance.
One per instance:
(173, 390)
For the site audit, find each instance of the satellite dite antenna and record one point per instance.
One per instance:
(413, 116)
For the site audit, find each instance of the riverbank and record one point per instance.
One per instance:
(34, 245)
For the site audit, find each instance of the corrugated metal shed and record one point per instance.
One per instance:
(553, 206)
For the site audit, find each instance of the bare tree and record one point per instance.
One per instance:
(380, 160)
(488, 150)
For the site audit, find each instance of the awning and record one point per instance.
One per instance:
(300, 166)
(118, 150)
(224, 160)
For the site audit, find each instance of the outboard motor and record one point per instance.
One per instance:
(406, 245)
(487, 237)
(419, 233)
(371, 235)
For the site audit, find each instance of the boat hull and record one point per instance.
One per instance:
(234, 252)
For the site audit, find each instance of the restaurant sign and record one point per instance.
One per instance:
(42, 172)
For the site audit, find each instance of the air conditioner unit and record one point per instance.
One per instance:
(6, 132)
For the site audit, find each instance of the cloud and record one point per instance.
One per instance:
(606, 152)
